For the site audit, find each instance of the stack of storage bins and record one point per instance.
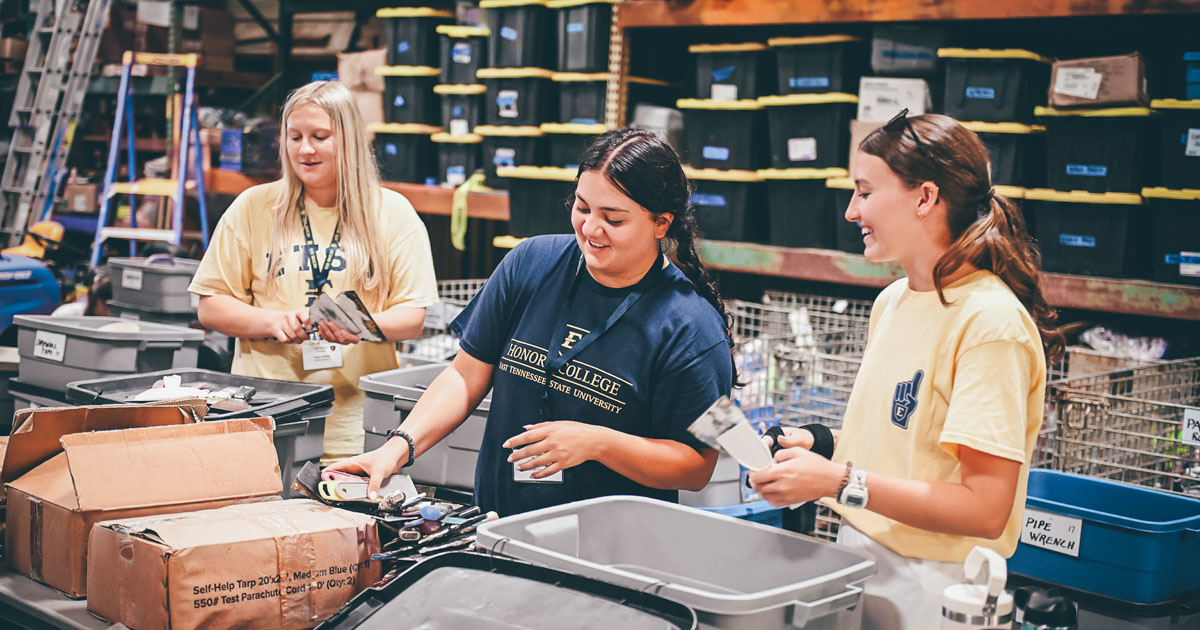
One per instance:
(1174, 200)
(463, 53)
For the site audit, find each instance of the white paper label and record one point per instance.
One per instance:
(1189, 269)
(1078, 82)
(1192, 147)
(132, 279)
(1052, 531)
(460, 127)
(154, 13)
(802, 149)
(321, 355)
(50, 346)
(1191, 427)
(723, 92)
(79, 203)
(506, 100)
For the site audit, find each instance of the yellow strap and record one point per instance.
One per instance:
(458, 211)
(462, 32)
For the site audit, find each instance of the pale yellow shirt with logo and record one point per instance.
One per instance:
(236, 265)
(935, 378)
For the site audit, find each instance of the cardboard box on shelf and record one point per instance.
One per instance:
(13, 48)
(357, 70)
(81, 197)
(67, 469)
(267, 565)
(371, 106)
(1099, 82)
(879, 98)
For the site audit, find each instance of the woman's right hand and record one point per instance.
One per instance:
(378, 464)
(288, 326)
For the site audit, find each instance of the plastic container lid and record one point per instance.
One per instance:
(1003, 127)
(579, 77)
(1111, 112)
(562, 4)
(968, 600)
(807, 99)
(452, 30)
(840, 183)
(717, 175)
(1012, 192)
(748, 104)
(500, 4)
(1175, 512)
(1174, 103)
(1186, 194)
(719, 48)
(164, 265)
(802, 173)
(1079, 196)
(407, 71)
(990, 53)
(405, 128)
(575, 128)
(502, 131)
(777, 42)
(413, 12)
(94, 327)
(463, 138)
(459, 89)
(513, 73)
(552, 173)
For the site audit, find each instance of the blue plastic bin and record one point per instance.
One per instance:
(756, 512)
(1137, 544)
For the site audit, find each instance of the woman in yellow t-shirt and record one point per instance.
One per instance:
(940, 428)
(326, 226)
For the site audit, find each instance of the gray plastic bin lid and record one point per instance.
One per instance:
(164, 265)
(408, 383)
(710, 562)
(89, 326)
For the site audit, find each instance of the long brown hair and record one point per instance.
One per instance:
(987, 229)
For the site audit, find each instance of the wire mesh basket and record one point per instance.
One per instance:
(1140, 426)
(435, 340)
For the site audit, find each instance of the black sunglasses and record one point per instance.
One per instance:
(899, 122)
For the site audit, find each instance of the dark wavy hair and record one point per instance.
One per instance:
(648, 171)
(987, 229)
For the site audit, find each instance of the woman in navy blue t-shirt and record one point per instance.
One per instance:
(599, 349)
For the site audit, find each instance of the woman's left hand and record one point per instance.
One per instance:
(556, 445)
(798, 475)
(333, 333)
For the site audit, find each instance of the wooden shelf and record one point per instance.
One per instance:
(773, 12)
(1133, 297)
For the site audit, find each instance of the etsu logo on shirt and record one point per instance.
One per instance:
(904, 401)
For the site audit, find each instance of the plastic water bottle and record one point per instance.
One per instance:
(979, 606)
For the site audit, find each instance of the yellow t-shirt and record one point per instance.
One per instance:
(936, 377)
(236, 265)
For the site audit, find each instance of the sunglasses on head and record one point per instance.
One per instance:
(899, 123)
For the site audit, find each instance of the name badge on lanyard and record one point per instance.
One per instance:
(321, 355)
(318, 354)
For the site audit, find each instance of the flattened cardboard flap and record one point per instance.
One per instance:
(36, 432)
(169, 465)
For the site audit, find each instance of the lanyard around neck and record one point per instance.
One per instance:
(320, 273)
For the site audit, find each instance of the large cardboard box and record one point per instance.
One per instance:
(1099, 81)
(268, 565)
(81, 197)
(880, 98)
(67, 469)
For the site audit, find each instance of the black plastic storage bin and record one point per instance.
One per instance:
(809, 130)
(724, 135)
(1175, 235)
(464, 52)
(731, 72)
(522, 97)
(994, 85)
(509, 146)
(471, 590)
(1098, 612)
(906, 50)
(1094, 234)
(823, 63)
(404, 152)
(729, 204)
(1179, 165)
(411, 34)
(798, 207)
(581, 97)
(1097, 150)
(1016, 152)
(522, 33)
(462, 107)
(408, 95)
(847, 235)
(584, 28)
(458, 157)
(565, 142)
(539, 199)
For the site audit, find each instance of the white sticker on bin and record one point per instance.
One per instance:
(724, 92)
(1191, 427)
(132, 279)
(49, 346)
(1078, 82)
(802, 149)
(1188, 266)
(1054, 532)
(1192, 146)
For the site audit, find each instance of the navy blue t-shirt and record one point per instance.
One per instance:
(650, 375)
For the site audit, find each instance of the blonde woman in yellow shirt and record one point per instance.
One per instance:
(940, 428)
(326, 226)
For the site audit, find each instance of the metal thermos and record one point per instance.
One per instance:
(972, 606)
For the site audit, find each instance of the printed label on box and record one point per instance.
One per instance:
(712, 201)
(504, 157)
(720, 154)
(1191, 427)
(575, 27)
(808, 82)
(79, 203)
(1078, 82)
(724, 92)
(1192, 145)
(461, 53)
(507, 101)
(985, 93)
(1076, 240)
(1054, 532)
(460, 127)
(802, 149)
(456, 175)
(509, 33)
(132, 279)
(1087, 170)
(49, 345)
(1189, 263)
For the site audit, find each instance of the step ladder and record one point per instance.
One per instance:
(49, 97)
(187, 133)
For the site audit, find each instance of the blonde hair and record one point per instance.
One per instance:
(358, 194)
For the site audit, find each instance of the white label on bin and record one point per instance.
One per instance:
(1189, 264)
(1191, 427)
(723, 92)
(1078, 82)
(132, 279)
(1052, 531)
(802, 149)
(49, 346)
(1192, 147)
(506, 100)
(504, 157)
(461, 53)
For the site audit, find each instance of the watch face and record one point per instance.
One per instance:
(855, 501)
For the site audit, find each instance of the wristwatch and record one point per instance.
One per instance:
(855, 493)
(412, 445)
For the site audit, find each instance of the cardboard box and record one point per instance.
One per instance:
(881, 98)
(1099, 81)
(13, 48)
(267, 565)
(81, 197)
(67, 469)
(371, 106)
(859, 131)
(357, 70)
